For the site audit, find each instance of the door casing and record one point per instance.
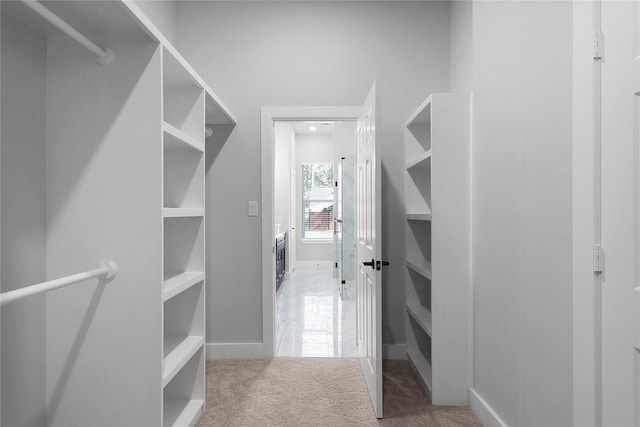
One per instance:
(268, 116)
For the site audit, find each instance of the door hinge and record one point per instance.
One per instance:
(598, 46)
(598, 259)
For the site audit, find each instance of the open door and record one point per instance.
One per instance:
(369, 251)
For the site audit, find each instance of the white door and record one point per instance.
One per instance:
(293, 217)
(368, 251)
(337, 225)
(620, 214)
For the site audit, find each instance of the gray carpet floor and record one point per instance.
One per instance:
(317, 392)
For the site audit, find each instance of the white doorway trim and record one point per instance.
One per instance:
(269, 115)
(587, 344)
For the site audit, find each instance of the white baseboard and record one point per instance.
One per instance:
(306, 265)
(256, 351)
(485, 413)
(235, 351)
(394, 351)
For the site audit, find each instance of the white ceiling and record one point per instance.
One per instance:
(304, 128)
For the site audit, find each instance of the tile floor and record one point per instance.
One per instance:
(311, 319)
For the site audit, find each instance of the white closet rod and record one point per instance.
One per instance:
(107, 271)
(105, 56)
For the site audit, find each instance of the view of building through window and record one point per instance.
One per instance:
(317, 201)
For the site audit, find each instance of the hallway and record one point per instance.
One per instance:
(311, 319)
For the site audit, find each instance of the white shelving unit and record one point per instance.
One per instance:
(184, 230)
(438, 231)
(125, 181)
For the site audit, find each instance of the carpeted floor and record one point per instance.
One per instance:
(317, 392)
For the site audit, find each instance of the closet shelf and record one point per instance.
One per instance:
(182, 212)
(421, 315)
(424, 268)
(175, 138)
(180, 283)
(217, 113)
(422, 114)
(419, 216)
(182, 412)
(180, 352)
(422, 367)
(420, 161)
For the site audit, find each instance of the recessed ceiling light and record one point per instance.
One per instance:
(313, 128)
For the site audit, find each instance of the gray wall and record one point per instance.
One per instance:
(461, 46)
(23, 222)
(257, 54)
(163, 15)
(522, 64)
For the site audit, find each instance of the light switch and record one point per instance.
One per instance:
(253, 208)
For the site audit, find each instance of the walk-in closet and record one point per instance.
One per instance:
(115, 121)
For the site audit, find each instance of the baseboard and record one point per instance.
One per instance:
(485, 413)
(306, 265)
(235, 351)
(394, 351)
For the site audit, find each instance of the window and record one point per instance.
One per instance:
(317, 201)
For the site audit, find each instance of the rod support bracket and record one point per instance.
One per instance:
(107, 58)
(112, 269)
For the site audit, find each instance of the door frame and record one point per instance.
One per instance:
(587, 291)
(269, 115)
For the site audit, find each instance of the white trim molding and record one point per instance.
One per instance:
(248, 350)
(309, 264)
(586, 291)
(269, 115)
(394, 351)
(485, 413)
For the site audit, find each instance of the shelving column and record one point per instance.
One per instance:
(418, 239)
(438, 239)
(183, 291)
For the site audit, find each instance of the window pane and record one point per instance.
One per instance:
(317, 201)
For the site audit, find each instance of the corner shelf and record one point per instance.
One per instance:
(182, 212)
(419, 216)
(180, 283)
(175, 138)
(422, 366)
(423, 268)
(182, 412)
(183, 395)
(420, 314)
(419, 161)
(183, 245)
(180, 351)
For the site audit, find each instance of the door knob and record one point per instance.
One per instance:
(370, 264)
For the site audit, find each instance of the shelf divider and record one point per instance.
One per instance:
(174, 137)
(422, 367)
(421, 160)
(180, 283)
(182, 212)
(424, 268)
(419, 216)
(179, 356)
(182, 412)
(420, 314)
